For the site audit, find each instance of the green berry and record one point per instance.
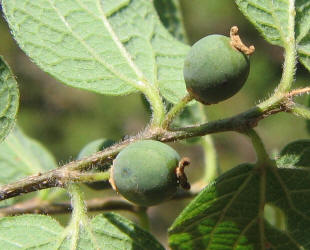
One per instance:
(145, 172)
(214, 70)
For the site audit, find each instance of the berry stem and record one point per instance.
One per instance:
(175, 110)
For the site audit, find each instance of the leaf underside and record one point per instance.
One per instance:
(269, 17)
(106, 231)
(111, 47)
(9, 99)
(228, 213)
(303, 31)
(170, 14)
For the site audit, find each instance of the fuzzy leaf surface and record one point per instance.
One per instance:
(303, 31)
(270, 17)
(296, 153)
(229, 213)
(107, 231)
(170, 14)
(112, 47)
(9, 99)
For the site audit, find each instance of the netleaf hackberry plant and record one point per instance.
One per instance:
(119, 47)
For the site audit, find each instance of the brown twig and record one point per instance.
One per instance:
(72, 172)
(37, 206)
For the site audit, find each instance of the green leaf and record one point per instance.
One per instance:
(303, 31)
(229, 213)
(170, 14)
(21, 156)
(110, 47)
(106, 231)
(271, 18)
(9, 98)
(296, 153)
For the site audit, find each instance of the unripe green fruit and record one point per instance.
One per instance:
(145, 172)
(214, 70)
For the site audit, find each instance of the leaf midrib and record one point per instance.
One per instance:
(133, 83)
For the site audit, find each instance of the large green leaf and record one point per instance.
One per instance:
(9, 99)
(228, 214)
(303, 31)
(270, 17)
(170, 14)
(106, 231)
(112, 47)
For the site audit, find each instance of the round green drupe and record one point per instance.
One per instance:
(144, 172)
(214, 70)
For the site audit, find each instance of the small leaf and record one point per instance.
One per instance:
(90, 149)
(229, 213)
(271, 18)
(303, 31)
(106, 231)
(110, 47)
(170, 14)
(94, 146)
(296, 153)
(9, 98)
(191, 115)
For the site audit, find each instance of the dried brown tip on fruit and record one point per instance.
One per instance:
(237, 43)
(181, 174)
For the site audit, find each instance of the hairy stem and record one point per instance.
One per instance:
(261, 153)
(290, 54)
(157, 106)
(73, 171)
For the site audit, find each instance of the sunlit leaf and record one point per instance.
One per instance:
(229, 213)
(110, 47)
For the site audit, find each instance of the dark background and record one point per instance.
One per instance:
(64, 119)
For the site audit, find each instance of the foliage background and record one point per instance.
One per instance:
(65, 119)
